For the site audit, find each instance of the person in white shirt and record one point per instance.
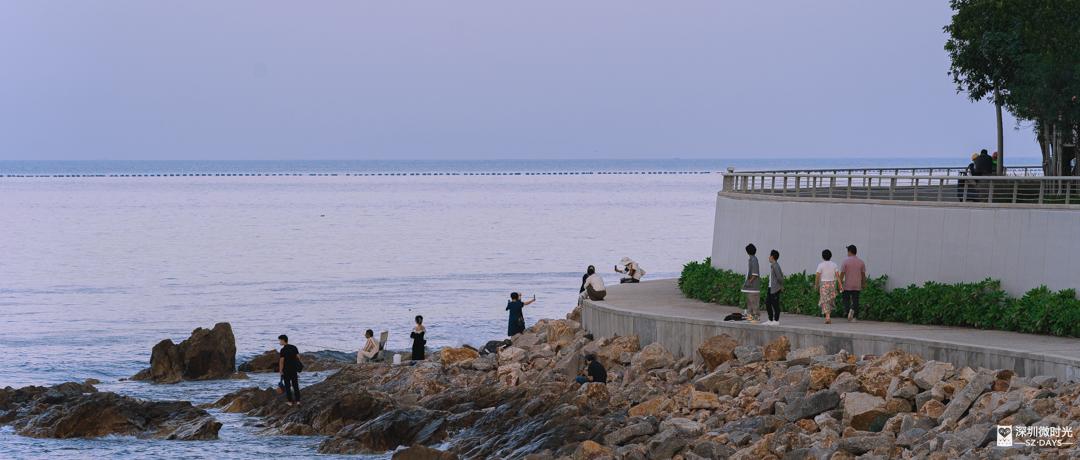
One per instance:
(594, 286)
(827, 282)
(633, 271)
(371, 348)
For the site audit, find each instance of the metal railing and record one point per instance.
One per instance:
(908, 186)
(1025, 171)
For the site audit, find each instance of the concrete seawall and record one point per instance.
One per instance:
(656, 311)
(1024, 246)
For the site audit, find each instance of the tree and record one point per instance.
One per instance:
(1023, 55)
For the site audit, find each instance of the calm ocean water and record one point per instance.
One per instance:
(96, 270)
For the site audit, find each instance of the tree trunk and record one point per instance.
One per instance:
(1044, 146)
(1000, 137)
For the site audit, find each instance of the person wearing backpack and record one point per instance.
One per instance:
(289, 366)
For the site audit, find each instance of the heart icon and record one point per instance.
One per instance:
(1004, 431)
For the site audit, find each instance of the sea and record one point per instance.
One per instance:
(100, 260)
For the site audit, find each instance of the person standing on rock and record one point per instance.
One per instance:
(752, 285)
(418, 341)
(371, 348)
(853, 278)
(825, 281)
(517, 317)
(289, 368)
(594, 371)
(776, 286)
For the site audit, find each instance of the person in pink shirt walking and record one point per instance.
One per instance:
(853, 279)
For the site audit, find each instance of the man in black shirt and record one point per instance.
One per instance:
(289, 368)
(594, 371)
(984, 164)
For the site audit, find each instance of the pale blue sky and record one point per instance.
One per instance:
(482, 79)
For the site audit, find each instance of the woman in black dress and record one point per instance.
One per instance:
(418, 341)
(517, 318)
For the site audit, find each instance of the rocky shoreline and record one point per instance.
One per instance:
(740, 402)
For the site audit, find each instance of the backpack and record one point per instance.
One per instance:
(299, 365)
(734, 317)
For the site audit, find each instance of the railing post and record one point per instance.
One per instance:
(990, 192)
(1016, 187)
(1068, 188)
(915, 189)
(940, 189)
(729, 182)
(1041, 190)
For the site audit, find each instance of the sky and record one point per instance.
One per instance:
(483, 79)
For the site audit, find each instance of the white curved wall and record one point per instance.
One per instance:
(912, 243)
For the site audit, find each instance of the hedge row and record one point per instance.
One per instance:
(982, 305)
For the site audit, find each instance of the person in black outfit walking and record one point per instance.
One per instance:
(289, 368)
(418, 341)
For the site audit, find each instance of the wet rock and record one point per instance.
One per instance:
(65, 413)
(246, 400)
(653, 356)
(778, 349)
(207, 354)
(395, 428)
(717, 349)
(315, 361)
(450, 355)
(419, 452)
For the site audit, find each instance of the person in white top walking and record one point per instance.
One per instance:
(826, 281)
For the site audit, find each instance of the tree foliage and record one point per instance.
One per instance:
(1024, 54)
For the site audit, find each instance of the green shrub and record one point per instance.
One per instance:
(983, 304)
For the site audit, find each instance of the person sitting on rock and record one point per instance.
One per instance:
(633, 271)
(371, 348)
(594, 286)
(594, 371)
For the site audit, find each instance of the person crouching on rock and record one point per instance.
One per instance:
(594, 371)
(371, 348)
(289, 368)
(418, 341)
(594, 286)
(517, 317)
(633, 271)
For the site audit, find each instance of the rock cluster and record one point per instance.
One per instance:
(314, 361)
(72, 410)
(207, 354)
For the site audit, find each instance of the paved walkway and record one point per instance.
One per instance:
(659, 309)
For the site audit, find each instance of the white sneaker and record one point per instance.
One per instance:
(776, 323)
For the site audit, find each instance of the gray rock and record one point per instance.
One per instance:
(922, 398)
(844, 383)
(665, 445)
(632, 452)
(747, 354)
(859, 445)
(804, 355)
(759, 425)
(685, 427)
(811, 405)
(963, 399)
(910, 437)
(1008, 408)
(1044, 380)
(719, 382)
(711, 449)
(629, 432)
(931, 373)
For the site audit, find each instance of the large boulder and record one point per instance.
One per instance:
(207, 354)
(245, 400)
(398, 427)
(626, 433)
(652, 407)
(653, 356)
(864, 412)
(811, 405)
(83, 412)
(314, 361)
(717, 349)
(419, 452)
(963, 399)
(875, 377)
